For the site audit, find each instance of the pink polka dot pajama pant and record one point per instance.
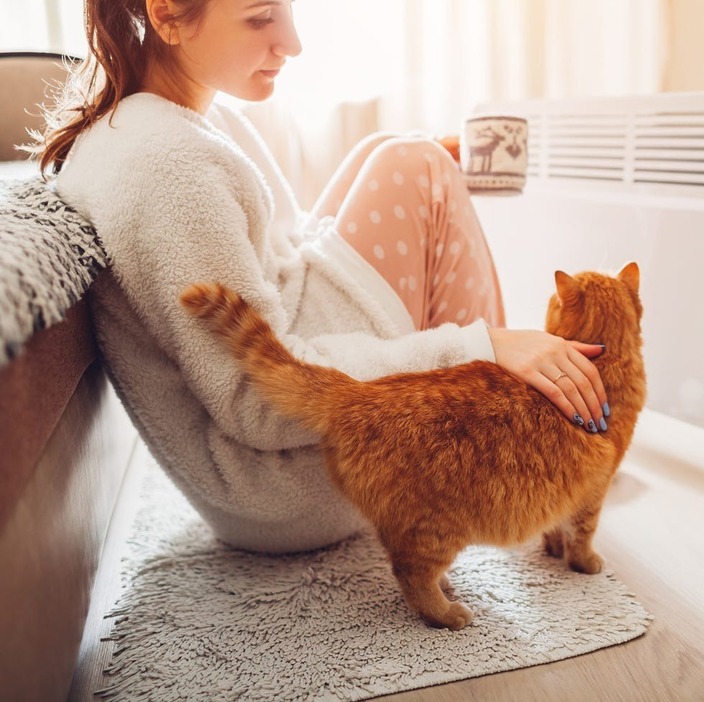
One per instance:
(403, 205)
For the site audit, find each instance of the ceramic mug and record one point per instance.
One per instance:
(494, 154)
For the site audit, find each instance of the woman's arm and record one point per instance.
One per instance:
(196, 224)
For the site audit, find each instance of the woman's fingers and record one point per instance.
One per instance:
(561, 390)
(558, 369)
(594, 392)
(588, 350)
(581, 397)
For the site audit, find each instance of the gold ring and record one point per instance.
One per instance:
(559, 377)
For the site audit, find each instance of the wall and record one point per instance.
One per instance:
(568, 228)
(683, 71)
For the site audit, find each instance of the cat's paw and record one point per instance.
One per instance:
(590, 563)
(458, 616)
(455, 617)
(444, 583)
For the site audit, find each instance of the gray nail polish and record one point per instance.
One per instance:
(602, 424)
(578, 420)
(592, 427)
(607, 409)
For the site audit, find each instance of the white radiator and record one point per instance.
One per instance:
(612, 180)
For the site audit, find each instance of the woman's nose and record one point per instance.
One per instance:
(288, 42)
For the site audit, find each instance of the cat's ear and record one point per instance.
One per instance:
(567, 286)
(630, 275)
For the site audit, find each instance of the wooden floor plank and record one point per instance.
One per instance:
(652, 537)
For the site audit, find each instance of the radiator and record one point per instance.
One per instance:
(612, 180)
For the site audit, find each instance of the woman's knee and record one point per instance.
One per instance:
(367, 145)
(413, 153)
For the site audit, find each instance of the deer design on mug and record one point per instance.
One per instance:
(484, 150)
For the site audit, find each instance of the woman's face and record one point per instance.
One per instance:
(237, 47)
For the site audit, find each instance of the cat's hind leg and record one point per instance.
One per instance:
(553, 542)
(579, 553)
(422, 587)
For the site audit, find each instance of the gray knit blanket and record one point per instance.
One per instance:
(49, 255)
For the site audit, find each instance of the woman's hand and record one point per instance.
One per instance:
(559, 369)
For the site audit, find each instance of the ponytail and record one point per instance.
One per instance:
(121, 44)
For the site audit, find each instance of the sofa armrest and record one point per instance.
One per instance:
(66, 442)
(34, 392)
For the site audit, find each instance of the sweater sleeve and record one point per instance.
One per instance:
(365, 357)
(199, 221)
(287, 212)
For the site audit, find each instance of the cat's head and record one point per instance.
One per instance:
(597, 308)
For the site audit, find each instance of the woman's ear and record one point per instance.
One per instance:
(160, 14)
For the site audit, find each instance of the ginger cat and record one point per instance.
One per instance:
(442, 459)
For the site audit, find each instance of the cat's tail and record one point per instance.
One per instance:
(299, 390)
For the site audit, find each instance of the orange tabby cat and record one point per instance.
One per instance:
(442, 459)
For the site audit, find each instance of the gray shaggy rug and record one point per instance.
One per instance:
(200, 621)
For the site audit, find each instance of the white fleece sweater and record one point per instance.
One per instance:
(177, 198)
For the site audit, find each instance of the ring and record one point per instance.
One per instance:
(559, 377)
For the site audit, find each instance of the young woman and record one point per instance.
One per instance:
(389, 273)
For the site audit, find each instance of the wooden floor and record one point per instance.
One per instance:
(651, 535)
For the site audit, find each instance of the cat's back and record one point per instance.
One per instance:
(482, 388)
(473, 416)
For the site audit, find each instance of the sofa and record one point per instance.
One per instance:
(65, 444)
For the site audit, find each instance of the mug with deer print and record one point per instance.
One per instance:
(494, 154)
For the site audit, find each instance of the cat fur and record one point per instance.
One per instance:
(442, 459)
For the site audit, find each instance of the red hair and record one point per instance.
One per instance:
(121, 43)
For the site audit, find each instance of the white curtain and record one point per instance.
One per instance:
(42, 25)
(424, 65)
(429, 62)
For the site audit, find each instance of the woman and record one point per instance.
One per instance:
(389, 273)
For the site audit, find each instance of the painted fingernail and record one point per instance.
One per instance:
(592, 427)
(602, 424)
(578, 420)
(607, 409)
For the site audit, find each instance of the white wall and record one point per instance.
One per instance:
(534, 234)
